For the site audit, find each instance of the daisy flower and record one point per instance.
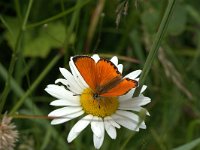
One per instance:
(109, 108)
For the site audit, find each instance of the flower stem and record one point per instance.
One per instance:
(25, 116)
(156, 44)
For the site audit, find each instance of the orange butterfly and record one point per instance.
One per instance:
(103, 77)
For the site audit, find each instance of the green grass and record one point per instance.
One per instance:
(38, 37)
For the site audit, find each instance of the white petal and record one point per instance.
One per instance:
(76, 74)
(79, 79)
(141, 100)
(64, 111)
(66, 118)
(127, 123)
(127, 96)
(143, 125)
(132, 116)
(72, 135)
(70, 78)
(136, 101)
(95, 126)
(62, 102)
(143, 88)
(71, 85)
(101, 126)
(111, 121)
(137, 109)
(114, 60)
(129, 115)
(66, 74)
(133, 74)
(95, 57)
(60, 92)
(110, 129)
(98, 141)
(120, 68)
(83, 123)
(59, 121)
(147, 113)
(78, 127)
(137, 79)
(66, 83)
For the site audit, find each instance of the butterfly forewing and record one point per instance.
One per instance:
(87, 68)
(106, 72)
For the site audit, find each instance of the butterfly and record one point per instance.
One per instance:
(103, 77)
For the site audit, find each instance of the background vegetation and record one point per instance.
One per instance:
(37, 37)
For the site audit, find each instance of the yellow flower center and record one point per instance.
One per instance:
(101, 106)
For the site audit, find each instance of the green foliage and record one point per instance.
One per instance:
(56, 30)
(189, 146)
(178, 23)
(40, 41)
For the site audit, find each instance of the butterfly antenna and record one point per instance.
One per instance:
(77, 94)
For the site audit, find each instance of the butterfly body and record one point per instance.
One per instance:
(103, 89)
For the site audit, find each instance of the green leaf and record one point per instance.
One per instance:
(189, 146)
(39, 41)
(11, 36)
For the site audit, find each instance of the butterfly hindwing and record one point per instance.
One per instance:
(121, 88)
